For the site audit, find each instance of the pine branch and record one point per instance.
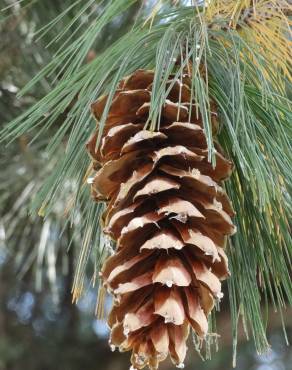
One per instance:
(245, 52)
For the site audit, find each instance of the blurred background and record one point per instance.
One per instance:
(40, 328)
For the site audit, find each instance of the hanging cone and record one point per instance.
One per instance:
(168, 215)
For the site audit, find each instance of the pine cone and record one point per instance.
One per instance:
(169, 218)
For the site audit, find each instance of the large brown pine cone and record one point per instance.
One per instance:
(169, 218)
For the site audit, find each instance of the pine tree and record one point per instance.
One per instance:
(208, 86)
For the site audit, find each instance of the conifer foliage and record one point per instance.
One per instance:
(206, 99)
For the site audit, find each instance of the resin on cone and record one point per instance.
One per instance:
(168, 215)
